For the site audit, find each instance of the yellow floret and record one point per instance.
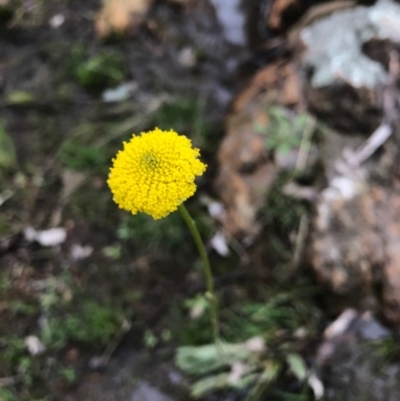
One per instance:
(155, 173)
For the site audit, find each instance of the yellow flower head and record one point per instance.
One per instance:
(155, 173)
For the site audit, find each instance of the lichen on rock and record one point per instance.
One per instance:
(334, 45)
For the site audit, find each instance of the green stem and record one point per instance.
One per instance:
(210, 294)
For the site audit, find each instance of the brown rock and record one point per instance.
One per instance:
(281, 80)
(246, 168)
(121, 16)
(278, 8)
(182, 3)
(355, 248)
(346, 108)
(391, 272)
(246, 172)
(354, 243)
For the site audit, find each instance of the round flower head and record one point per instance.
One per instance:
(155, 173)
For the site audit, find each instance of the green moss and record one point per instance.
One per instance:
(14, 350)
(97, 72)
(387, 348)
(7, 150)
(149, 234)
(77, 156)
(284, 130)
(85, 321)
(7, 395)
(282, 310)
(193, 331)
(68, 374)
(282, 214)
(186, 116)
(5, 284)
(20, 307)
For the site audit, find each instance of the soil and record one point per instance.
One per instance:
(98, 315)
(51, 112)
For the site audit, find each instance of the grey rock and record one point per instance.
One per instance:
(145, 392)
(334, 45)
(369, 328)
(358, 372)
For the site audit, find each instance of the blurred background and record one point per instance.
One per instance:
(294, 105)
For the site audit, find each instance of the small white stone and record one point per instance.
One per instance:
(120, 93)
(316, 385)
(341, 324)
(237, 371)
(34, 345)
(79, 252)
(56, 20)
(30, 234)
(187, 57)
(197, 311)
(216, 209)
(51, 237)
(256, 344)
(218, 242)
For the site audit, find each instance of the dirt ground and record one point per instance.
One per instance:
(95, 304)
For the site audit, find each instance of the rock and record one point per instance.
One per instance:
(145, 392)
(280, 78)
(187, 57)
(245, 174)
(34, 345)
(232, 20)
(340, 59)
(79, 252)
(219, 243)
(341, 325)
(334, 59)
(131, 376)
(98, 387)
(51, 237)
(369, 328)
(353, 243)
(56, 21)
(354, 246)
(120, 93)
(353, 369)
(356, 375)
(181, 3)
(246, 167)
(121, 16)
(278, 9)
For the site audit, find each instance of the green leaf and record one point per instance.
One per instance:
(209, 358)
(20, 97)
(297, 366)
(260, 128)
(284, 148)
(7, 395)
(7, 150)
(219, 382)
(269, 375)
